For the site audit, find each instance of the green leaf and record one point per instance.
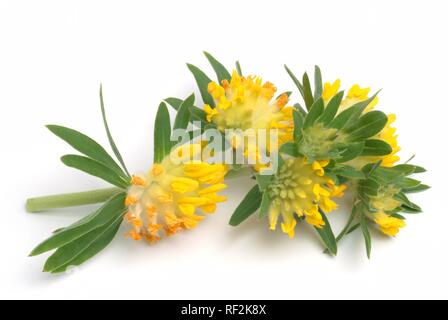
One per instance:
(94, 168)
(346, 229)
(263, 180)
(174, 102)
(109, 135)
(202, 80)
(87, 146)
(264, 206)
(298, 125)
(407, 169)
(369, 169)
(369, 187)
(73, 225)
(419, 188)
(350, 220)
(86, 218)
(348, 172)
(331, 109)
(198, 114)
(290, 148)
(247, 207)
(407, 203)
(162, 133)
(385, 175)
(399, 216)
(349, 116)
(183, 113)
(83, 248)
(353, 228)
(366, 234)
(418, 169)
(351, 151)
(220, 70)
(368, 125)
(295, 80)
(238, 68)
(307, 93)
(98, 245)
(375, 147)
(339, 121)
(315, 112)
(409, 160)
(327, 236)
(406, 183)
(300, 110)
(409, 210)
(109, 211)
(317, 83)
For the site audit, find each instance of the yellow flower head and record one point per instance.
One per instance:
(385, 202)
(301, 188)
(357, 94)
(388, 135)
(389, 225)
(170, 196)
(247, 103)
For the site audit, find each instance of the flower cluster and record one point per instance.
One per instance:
(387, 134)
(301, 188)
(327, 142)
(246, 103)
(168, 197)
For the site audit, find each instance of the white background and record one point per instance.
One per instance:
(54, 55)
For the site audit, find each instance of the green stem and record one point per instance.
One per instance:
(70, 199)
(95, 196)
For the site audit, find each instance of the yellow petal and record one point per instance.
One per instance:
(330, 89)
(182, 185)
(215, 90)
(327, 204)
(273, 217)
(317, 168)
(357, 92)
(314, 217)
(212, 189)
(389, 225)
(157, 169)
(138, 181)
(209, 208)
(338, 191)
(187, 209)
(130, 200)
(289, 228)
(197, 201)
